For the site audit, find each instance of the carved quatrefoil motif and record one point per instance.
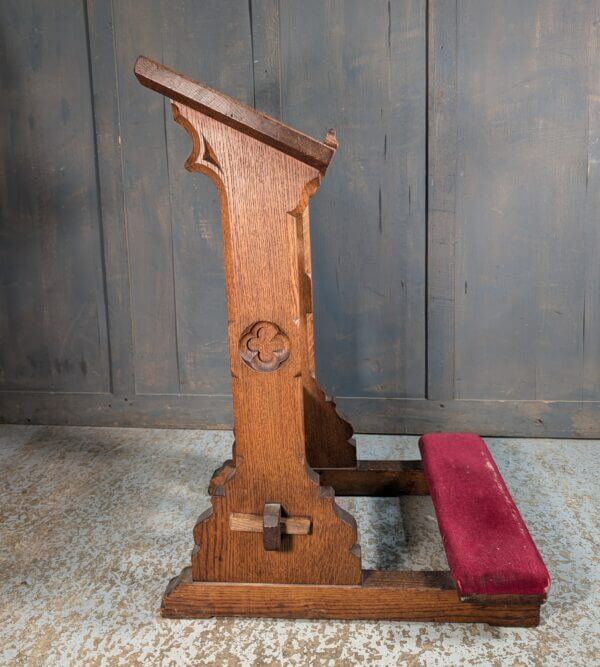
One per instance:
(264, 346)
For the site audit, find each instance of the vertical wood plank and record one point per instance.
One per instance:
(147, 201)
(224, 63)
(266, 56)
(360, 68)
(53, 333)
(441, 204)
(107, 126)
(591, 208)
(560, 180)
(523, 135)
(173, 218)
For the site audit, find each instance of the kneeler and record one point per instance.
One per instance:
(274, 543)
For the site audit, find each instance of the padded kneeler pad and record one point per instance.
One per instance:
(488, 546)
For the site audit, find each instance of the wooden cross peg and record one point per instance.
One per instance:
(272, 527)
(271, 523)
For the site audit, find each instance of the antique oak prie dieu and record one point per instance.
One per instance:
(274, 542)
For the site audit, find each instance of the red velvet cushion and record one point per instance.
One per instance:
(488, 546)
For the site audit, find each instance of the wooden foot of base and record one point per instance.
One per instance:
(395, 596)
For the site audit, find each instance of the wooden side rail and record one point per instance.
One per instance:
(377, 478)
(393, 596)
(383, 479)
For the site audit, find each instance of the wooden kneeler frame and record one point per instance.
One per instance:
(274, 543)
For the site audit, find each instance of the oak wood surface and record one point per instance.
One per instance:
(398, 596)
(264, 194)
(253, 523)
(377, 478)
(328, 435)
(233, 113)
(366, 478)
(271, 527)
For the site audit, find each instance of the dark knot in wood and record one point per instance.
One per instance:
(264, 346)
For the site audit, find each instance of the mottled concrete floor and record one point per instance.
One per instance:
(94, 521)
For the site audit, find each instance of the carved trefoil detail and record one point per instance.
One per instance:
(264, 346)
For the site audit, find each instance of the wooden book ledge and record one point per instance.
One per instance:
(274, 542)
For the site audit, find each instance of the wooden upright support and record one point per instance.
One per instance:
(274, 542)
(265, 174)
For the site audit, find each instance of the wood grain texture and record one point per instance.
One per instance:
(377, 478)
(361, 68)
(271, 527)
(523, 110)
(217, 48)
(176, 255)
(263, 192)
(328, 435)
(53, 317)
(534, 419)
(441, 197)
(107, 126)
(396, 596)
(108, 234)
(253, 523)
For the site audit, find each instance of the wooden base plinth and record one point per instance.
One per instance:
(394, 596)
